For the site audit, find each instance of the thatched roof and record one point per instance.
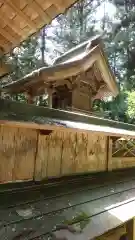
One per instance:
(20, 19)
(72, 63)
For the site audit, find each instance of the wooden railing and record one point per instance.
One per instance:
(121, 153)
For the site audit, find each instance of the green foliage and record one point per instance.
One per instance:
(80, 218)
(79, 24)
(131, 104)
(76, 26)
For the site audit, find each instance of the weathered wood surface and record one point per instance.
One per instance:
(35, 117)
(130, 229)
(17, 153)
(114, 234)
(62, 153)
(99, 200)
(121, 161)
(31, 15)
(48, 159)
(27, 154)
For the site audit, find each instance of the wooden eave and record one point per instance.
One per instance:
(82, 47)
(44, 76)
(107, 74)
(20, 19)
(17, 114)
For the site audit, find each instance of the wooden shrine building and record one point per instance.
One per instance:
(63, 174)
(74, 81)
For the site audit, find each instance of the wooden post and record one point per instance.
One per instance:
(109, 149)
(130, 227)
(50, 91)
(29, 97)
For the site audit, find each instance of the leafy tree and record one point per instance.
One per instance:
(131, 105)
(76, 26)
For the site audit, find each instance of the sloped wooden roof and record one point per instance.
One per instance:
(22, 18)
(36, 117)
(73, 63)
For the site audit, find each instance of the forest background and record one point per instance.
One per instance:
(114, 20)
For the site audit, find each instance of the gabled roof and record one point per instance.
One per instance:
(70, 64)
(78, 51)
(20, 19)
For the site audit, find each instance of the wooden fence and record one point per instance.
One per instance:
(121, 153)
(27, 154)
(63, 153)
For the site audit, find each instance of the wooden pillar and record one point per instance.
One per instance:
(29, 98)
(130, 227)
(50, 92)
(109, 155)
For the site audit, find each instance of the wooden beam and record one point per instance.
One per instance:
(29, 97)
(130, 227)
(40, 11)
(108, 77)
(31, 24)
(14, 111)
(8, 36)
(8, 22)
(60, 5)
(4, 69)
(50, 91)
(3, 47)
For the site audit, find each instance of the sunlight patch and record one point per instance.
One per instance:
(124, 210)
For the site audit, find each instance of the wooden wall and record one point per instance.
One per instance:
(81, 100)
(63, 153)
(28, 154)
(17, 153)
(121, 162)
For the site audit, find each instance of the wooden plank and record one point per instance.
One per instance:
(8, 36)
(69, 163)
(90, 152)
(81, 153)
(49, 152)
(133, 228)
(55, 154)
(130, 229)
(107, 74)
(123, 162)
(14, 120)
(21, 14)
(24, 154)
(17, 153)
(110, 161)
(39, 10)
(7, 159)
(97, 157)
(27, 112)
(4, 69)
(41, 157)
(114, 234)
